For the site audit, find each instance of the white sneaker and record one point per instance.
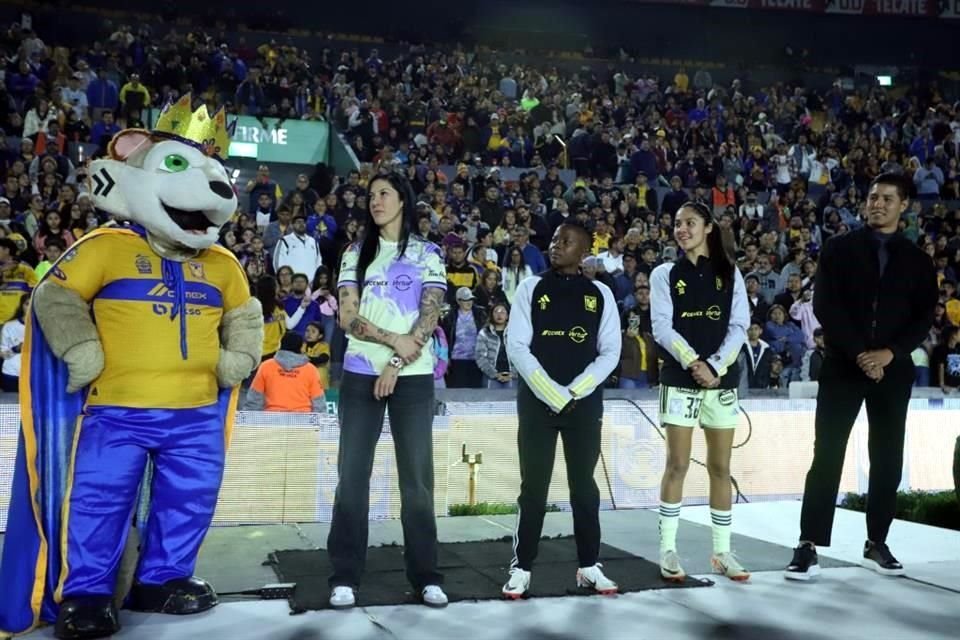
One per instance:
(593, 578)
(726, 564)
(670, 569)
(518, 584)
(433, 596)
(342, 598)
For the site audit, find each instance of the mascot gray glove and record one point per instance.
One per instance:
(66, 323)
(85, 363)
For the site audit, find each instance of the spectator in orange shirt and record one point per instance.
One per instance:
(287, 382)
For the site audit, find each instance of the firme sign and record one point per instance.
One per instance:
(257, 134)
(273, 140)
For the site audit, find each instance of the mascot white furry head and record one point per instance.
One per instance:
(170, 180)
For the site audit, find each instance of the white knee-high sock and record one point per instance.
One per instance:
(720, 526)
(669, 523)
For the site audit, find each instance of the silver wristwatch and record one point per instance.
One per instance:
(396, 362)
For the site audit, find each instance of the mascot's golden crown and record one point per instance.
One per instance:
(209, 134)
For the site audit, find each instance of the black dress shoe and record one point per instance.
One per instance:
(84, 618)
(182, 597)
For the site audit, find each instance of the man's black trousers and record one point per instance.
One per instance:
(843, 389)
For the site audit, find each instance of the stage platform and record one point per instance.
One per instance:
(846, 602)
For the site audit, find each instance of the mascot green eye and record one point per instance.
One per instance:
(175, 163)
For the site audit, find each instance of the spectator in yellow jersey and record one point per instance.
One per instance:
(53, 249)
(133, 95)
(317, 350)
(16, 279)
(601, 237)
(459, 272)
(681, 81)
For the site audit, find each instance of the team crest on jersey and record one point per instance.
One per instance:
(196, 270)
(590, 303)
(143, 265)
(543, 301)
(681, 287)
(719, 284)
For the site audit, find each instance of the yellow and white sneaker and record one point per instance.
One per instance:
(726, 564)
(670, 569)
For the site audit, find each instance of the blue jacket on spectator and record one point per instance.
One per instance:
(928, 180)
(102, 94)
(314, 229)
(310, 314)
(644, 162)
(251, 97)
(239, 69)
(624, 286)
(922, 148)
(534, 259)
(786, 340)
(99, 131)
(21, 85)
(269, 188)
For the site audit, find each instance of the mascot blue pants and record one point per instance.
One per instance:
(111, 451)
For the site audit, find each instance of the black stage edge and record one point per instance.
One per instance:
(472, 571)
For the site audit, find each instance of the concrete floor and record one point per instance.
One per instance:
(846, 602)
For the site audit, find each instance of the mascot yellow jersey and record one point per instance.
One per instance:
(133, 309)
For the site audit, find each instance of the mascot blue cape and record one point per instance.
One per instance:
(32, 550)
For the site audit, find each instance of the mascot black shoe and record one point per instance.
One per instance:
(177, 597)
(87, 618)
(99, 417)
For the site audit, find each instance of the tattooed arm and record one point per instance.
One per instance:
(430, 302)
(355, 325)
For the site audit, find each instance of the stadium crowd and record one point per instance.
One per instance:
(783, 168)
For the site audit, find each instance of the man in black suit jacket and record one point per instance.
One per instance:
(875, 297)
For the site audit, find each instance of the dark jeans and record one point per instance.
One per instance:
(464, 374)
(537, 442)
(411, 408)
(843, 389)
(10, 384)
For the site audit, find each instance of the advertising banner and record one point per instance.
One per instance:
(273, 140)
(902, 8)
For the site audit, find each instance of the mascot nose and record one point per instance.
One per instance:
(222, 189)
